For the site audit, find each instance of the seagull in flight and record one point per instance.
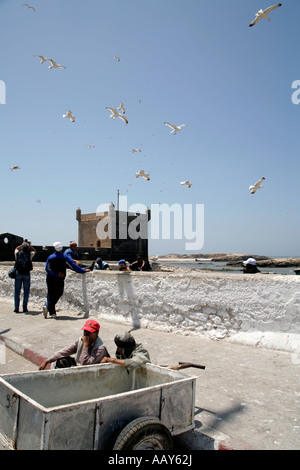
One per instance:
(263, 14)
(115, 114)
(144, 175)
(15, 167)
(186, 183)
(69, 115)
(43, 59)
(135, 150)
(117, 58)
(28, 6)
(91, 146)
(175, 128)
(122, 107)
(256, 186)
(54, 65)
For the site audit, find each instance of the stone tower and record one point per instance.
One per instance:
(117, 233)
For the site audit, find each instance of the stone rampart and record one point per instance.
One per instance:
(261, 310)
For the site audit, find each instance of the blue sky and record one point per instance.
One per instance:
(194, 62)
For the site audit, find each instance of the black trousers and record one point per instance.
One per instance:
(55, 287)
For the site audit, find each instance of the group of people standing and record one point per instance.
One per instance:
(56, 269)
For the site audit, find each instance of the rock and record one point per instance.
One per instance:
(231, 259)
(271, 262)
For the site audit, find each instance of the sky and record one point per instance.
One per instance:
(193, 62)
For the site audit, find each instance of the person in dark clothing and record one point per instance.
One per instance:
(23, 257)
(140, 264)
(250, 266)
(56, 266)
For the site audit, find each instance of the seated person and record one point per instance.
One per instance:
(123, 265)
(128, 353)
(89, 349)
(101, 265)
(250, 266)
(140, 264)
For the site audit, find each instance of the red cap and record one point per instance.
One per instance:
(91, 326)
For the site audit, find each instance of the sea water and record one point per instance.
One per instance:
(222, 266)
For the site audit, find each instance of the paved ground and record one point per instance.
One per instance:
(12, 362)
(250, 395)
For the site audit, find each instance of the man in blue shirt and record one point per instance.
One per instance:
(56, 266)
(73, 253)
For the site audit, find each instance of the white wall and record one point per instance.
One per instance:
(260, 309)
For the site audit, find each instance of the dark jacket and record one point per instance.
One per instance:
(250, 269)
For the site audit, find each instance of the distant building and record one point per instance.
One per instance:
(111, 235)
(8, 244)
(117, 234)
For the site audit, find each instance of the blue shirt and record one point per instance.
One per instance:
(71, 253)
(56, 263)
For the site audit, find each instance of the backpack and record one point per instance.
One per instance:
(23, 263)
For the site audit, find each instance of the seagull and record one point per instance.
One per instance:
(186, 183)
(91, 146)
(135, 150)
(28, 6)
(70, 116)
(43, 59)
(143, 175)
(117, 58)
(122, 107)
(263, 14)
(116, 114)
(55, 65)
(138, 100)
(256, 186)
(16, 167)
(175, 128)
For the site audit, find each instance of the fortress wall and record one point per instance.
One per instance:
(261, 310)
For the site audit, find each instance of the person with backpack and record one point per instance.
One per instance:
(23, 264)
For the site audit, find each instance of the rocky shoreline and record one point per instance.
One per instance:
(232, 259)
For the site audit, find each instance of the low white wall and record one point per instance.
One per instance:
(260, 309)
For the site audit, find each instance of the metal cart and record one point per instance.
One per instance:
(95, 407)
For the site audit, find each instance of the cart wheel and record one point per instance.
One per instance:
(146, 433)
